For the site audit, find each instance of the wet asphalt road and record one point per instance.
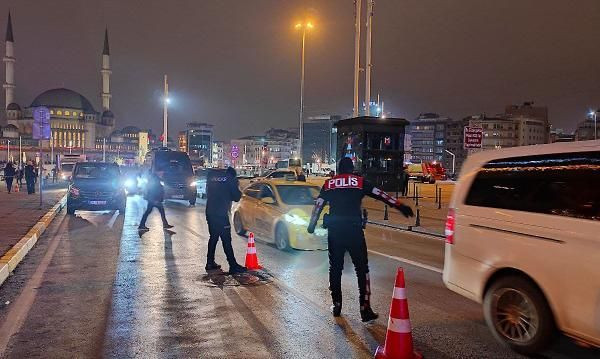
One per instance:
(93, 287)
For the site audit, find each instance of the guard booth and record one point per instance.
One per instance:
(376, 146)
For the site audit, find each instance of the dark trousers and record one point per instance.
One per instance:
(348, 239)
(405, 189)
(149, 208)
(9, 181)
(30, 185)
(219, 227)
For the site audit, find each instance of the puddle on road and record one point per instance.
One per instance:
(223, 279)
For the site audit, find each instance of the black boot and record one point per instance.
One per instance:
(212, 266)
(236, 269)
(367, 314)
(336, 309)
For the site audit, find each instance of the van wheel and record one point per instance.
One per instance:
(238, 226)
(282, 240)
(518, 315)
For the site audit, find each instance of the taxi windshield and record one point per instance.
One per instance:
(298, 195)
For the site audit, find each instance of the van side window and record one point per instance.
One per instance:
(563, 184)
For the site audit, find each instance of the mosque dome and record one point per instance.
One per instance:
(63, 98)
(13, 107)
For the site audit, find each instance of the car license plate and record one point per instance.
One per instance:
(177, 196)
(98, 202)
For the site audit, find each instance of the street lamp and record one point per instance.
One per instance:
(166, 102)
(8, 151)
(304, 26)
(595, 113)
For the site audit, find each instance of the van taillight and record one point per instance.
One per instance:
(450, 223)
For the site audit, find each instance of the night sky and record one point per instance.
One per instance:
(236, 63)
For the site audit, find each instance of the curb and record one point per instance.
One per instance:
(12, 258)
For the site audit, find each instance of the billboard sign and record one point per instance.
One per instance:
(41, 123)
(473, 137)
(235, 152)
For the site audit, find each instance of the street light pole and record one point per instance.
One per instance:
(8, 151)
(595, 126)
(453, 161)
(357, 25)
(303, 26)
(104, 149)
(165, 114)
(368, 63)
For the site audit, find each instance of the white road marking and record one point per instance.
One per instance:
(411, 262)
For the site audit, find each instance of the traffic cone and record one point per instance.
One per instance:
(398, 339)
(17, 187)
(251, 257)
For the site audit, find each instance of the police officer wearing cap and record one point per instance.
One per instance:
(222, 187)
(344, 194)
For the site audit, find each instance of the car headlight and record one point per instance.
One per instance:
(193, 184)
(162, 183)
(320, 232)
(63, 177)
(129, 182)
(295, 219)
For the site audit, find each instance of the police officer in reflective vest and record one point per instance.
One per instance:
(344, 194)
(222, 188)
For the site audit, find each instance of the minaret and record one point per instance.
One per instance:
(105, 71)
(9, 61)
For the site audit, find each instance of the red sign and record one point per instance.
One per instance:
(473, 137)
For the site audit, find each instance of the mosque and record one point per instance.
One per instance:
(75, 123)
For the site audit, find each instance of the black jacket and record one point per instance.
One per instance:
(9, 171)
(222, 188)
(344, 193)
(30, 172)
(155, 192)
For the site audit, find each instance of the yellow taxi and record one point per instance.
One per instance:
(278, 211)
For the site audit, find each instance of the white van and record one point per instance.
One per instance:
(523, 239)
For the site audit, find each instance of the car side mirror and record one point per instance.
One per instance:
(268, 200)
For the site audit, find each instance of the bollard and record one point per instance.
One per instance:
(417, 196)
(414, 190)
(385, 213)
(418, 219)
(440, 199)
(436, 193)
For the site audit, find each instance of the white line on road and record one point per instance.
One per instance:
(411, 262)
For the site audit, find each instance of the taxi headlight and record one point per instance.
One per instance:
(129, 182)
(193, 184)
(320, 232)
(295, 219)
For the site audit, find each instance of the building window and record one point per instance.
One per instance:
(59, 113)
(67, 113)
(52, 112)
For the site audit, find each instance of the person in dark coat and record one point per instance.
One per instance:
(405, 178)
(155, 194)
(30, 177)
(222, 187)
(9, 175)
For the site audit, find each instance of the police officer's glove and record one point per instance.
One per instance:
(311, 228)
(405, 210)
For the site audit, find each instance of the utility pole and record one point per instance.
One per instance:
(357, 25)
(453, 160)
(104, 149)
(301, 133)
(165, 114)
(368, 58)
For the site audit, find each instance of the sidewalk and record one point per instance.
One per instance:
(20, 211)
(432, 219)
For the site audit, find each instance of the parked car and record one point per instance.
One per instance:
(96, 186)
(522, 238)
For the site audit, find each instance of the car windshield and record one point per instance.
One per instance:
(281, 174)
(298, 195)
(173, 163)
(68, 167)
(96, 170)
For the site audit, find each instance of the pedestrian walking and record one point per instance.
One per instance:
(155, 195)
(405, 178)
(222, 188)
(30, 177)
(9, 175)
(344, 222)
(54, 174)
(19, 176)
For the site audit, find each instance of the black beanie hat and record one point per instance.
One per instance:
(346, 165)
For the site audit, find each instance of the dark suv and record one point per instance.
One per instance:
(96, 186)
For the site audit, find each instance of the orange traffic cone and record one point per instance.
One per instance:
(251, 257)
(398, 339)
(17, 187)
